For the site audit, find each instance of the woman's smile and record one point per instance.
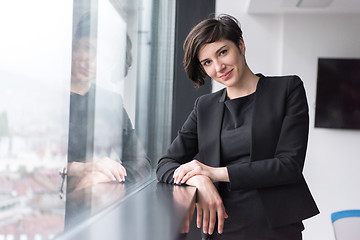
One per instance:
(227, 75)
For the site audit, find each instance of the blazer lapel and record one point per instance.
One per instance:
(210, 131)
(256, 118)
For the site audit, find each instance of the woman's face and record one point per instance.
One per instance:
(84, 60)
(223, 61)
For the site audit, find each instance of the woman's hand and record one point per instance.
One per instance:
(209, 204)
(190, 169)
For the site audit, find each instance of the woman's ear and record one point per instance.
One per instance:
(242, 46)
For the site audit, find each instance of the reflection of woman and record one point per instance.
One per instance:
(251, 138)
(103, 120)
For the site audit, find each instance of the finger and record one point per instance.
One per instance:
(198, 216)
(117, 171)
(212, 221)
(191, 211)
(176, 173)
(186, 225)
(108, 174)
(187, 176)
(180, 176)
(190, 174)
(206, 216)
(120, 175)
(117, 175)
(122, 171)
(181, 171)
(221, 214)
(179, 168)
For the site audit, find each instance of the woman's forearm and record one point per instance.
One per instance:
(198, 181)
(219, 174)
(184, 172)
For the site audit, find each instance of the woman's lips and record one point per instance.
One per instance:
(226, 75)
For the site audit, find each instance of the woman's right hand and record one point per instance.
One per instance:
(209, 204)
(195, 167)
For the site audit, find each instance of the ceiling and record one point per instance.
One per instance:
(303, 6)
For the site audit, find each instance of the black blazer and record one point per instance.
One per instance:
(278, 145)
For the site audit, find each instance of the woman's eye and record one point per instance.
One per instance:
(223, 52)
(206, 63)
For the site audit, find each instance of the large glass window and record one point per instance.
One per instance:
(86, 88)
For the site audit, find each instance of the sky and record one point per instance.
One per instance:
(35, 64)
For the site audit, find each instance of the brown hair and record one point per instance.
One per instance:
(207, 31)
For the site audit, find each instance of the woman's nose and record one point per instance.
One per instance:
(219, 66)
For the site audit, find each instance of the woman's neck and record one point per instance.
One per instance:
(244, 87)
(80, 87)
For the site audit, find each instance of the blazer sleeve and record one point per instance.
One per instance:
(181, 150)
(278, 156)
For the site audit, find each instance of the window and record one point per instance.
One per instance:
(85, 85)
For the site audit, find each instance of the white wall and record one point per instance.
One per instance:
(333, 157)
(291, 44)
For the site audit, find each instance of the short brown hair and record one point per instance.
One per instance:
(207, 31)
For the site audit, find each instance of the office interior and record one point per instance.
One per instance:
(130, 60)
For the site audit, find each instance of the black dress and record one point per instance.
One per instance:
(247, 219)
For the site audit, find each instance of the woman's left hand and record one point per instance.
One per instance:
(190, 169)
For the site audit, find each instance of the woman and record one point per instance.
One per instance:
(103, 146)
(250, 137)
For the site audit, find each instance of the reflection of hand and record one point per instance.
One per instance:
(110, 168)
(183, 198)
(186, 223)
(190, 169)
(90, 179)
(209, 204)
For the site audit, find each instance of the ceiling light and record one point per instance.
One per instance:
(313, 3)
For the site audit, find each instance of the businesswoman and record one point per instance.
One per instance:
(250, 140)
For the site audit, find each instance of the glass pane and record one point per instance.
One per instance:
(86, 89)
(34, 115)
(113, 47)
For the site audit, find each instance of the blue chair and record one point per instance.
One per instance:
(346, 224)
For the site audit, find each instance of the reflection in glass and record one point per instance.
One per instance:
(81, 82)
(183, 197)
(103, 146)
